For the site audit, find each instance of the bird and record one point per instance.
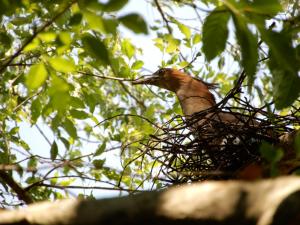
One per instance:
(194, 94)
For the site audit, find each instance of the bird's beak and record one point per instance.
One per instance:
(148, 79)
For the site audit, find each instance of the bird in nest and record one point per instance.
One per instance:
(194, 96)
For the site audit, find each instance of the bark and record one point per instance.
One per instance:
(265, 202)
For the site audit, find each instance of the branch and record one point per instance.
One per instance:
(21, 193)
(163, 16)
(105, 77)
(265, 202)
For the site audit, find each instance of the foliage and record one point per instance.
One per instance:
(64, 70)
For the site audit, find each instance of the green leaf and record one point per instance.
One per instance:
(32, 163)
(196, 38)
(70, 128)
(95, 48)
(75, 19)
(98, 163)
(77, 102)
(134, 22)
(110, 26)
(59, 94)
(271, 154)
(5, 39)
(62, 65)
(100, 149)
(53, 151)
(184, 29)
(94, 21)
(137, 65)
(266, 7)
(285, 85)
(65, 142)
(284, 66)
(215, 33)
(248, 43)
(127, 48)
(78, 114)
(281, 49)
(37, 76)
(47, 36)
(114, 5)
(36, 109)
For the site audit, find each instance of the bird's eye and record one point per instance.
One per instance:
(161, 72)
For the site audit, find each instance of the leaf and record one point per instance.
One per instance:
(215, 33)
(271, 154)
(110, 26)
(78, 114)
(285, 85)
(248, 43)
(94, 21)
(196, 39)
(65, 142)
(53, 151)
(62, 65)
(127, 48)
(137, 65)
(98, 163)
(75, 19)
(36, 109)
(37, 76)
(5, 39)
(284, 66)
(134, 22)
(281, 46)
(184, 29)
(95, 48)
(32, 163)
(59, 94)
(266, 7)
(70, 128)
(100, 149)
(114, 5)
(47, 36)
(76, 102)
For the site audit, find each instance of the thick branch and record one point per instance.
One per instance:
(265, 202)
(21, 193)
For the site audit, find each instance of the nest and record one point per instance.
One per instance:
(204, 147)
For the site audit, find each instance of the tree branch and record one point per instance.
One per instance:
(265, 202)
(21, 193)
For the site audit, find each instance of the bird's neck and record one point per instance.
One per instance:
(194, 97)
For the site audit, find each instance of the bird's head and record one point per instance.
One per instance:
(170, 79)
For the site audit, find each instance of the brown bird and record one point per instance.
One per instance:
(193, 94)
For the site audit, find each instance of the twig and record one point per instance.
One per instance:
(105, 77)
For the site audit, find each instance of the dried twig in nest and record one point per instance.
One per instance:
(205, 147)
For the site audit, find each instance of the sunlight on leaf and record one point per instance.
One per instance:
(62, 65)
(37, 76)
